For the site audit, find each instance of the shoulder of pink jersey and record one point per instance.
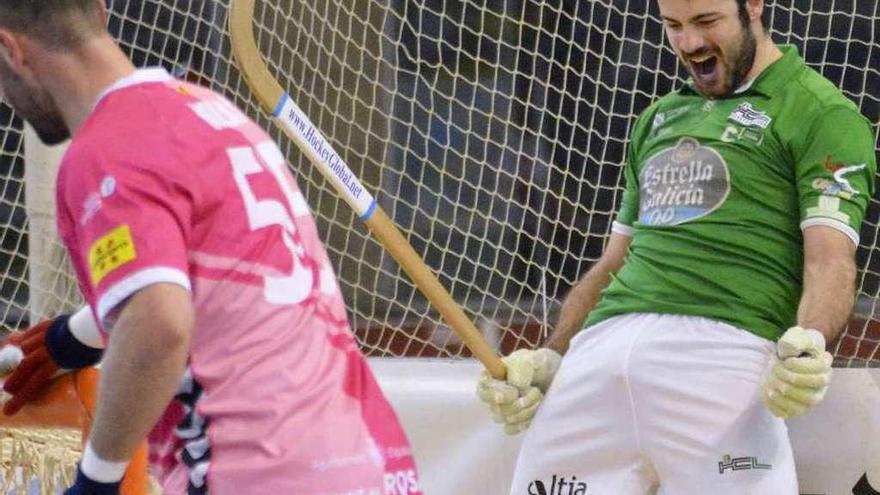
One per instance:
(147, 116)
(147, 125)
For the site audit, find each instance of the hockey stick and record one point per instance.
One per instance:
(297, 126)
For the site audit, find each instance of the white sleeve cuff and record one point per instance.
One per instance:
(622, 229)
(834, 224)
(135, 282)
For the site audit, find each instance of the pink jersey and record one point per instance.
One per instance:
(167, 182)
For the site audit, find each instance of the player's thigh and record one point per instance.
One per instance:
(753, 456)
(697, 396)
(588, 460)
(757, 470)
(582, 438)
(630, 479)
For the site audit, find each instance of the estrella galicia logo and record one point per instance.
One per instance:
(682, 183)
(558, 485)
(740, 463)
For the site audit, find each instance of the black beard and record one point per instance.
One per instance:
(51, 133)
(34, 106)
(743, 63)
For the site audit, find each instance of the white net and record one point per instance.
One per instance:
(38, 461)
(492, 132)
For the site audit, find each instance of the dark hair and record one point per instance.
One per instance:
(59, 24)
(744, 14)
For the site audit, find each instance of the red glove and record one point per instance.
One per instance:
(34, 372)
(48, 347)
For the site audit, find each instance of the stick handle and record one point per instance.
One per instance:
(393, 241)
(297, 126)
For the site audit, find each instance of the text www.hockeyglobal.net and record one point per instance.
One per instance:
(325, 152)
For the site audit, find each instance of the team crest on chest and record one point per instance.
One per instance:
(682, 183)
(746, 115)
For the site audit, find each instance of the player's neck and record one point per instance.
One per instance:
(78, 78)
(767, 52)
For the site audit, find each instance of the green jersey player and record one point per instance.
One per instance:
(730, 264)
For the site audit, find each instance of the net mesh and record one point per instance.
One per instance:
(492, 132)
(36, 460)
(41, 444)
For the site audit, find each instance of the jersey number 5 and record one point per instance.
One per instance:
(265, 157)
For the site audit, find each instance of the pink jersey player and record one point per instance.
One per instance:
(168, 182)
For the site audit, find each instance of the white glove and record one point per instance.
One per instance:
(799, 373)
(514, 401)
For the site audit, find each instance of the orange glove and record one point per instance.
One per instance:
(48, 347)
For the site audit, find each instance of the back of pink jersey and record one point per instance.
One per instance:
(168, 182)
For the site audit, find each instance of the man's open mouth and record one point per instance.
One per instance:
(704, 67)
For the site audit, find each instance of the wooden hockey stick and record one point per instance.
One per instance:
(297, 126)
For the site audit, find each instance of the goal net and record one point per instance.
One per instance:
(492, 132)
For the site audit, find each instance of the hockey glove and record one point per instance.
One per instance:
(515, 400)
(47, 347)
(799, 373)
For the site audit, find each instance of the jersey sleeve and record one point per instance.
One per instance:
(128, 229)
(628, 212)
(629, 205)
(835, 168)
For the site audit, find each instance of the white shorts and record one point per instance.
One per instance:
(666, 404)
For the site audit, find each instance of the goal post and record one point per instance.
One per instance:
(51, 281)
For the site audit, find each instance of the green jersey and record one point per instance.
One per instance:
(717, 192)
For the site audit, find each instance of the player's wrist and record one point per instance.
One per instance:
(814, 335)
(87, 486)
(797, 341)
(548, 361)
(65, 349)
(101, 470)
(83, 326)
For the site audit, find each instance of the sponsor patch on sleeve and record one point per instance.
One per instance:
(840, 186)
(828, 207)
(110, 251)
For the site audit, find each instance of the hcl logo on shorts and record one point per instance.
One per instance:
(740, 463)
(558, 485)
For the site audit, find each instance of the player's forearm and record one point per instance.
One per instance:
(145, 359)
(828, 296)
(829, 281)
(585, 294)
(577, 305)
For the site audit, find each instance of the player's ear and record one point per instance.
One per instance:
(11, 51)
(102, 9)
(755, 8)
